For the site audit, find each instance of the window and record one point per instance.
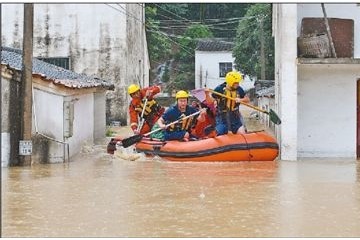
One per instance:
(224, 68)
(63, 62)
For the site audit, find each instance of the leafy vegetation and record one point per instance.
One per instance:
(159, 47)
(174, 29)
(247, 50)
(109, 132)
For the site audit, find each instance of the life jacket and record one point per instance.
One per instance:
(152, 111)
(228, 105)
(186, 124)
(199, 129)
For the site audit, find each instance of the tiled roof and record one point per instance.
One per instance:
(266, 92)
(13, 59)
(210, 45)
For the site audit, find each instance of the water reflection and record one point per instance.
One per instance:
(106, 196)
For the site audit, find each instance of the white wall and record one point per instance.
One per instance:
(92, 33)
(327, 110)
(209, 61)
(317, 103)
(5, 149)
(101, 39)
(49, 121)
(285, 18)
(345, 10)
(83, 123)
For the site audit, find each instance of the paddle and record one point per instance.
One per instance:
(142, 120)
(273, 116)
(126, 142)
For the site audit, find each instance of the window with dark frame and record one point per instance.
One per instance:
(63, 62)
(224, 68)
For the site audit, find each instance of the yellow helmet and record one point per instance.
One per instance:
(133, 88)
(233, 77)
(181, 94)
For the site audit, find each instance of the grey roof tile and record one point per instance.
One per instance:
(13, 58)
(266, 92)
(214, 45)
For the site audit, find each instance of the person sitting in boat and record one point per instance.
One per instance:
(144, 111)
(195, 104)
(228, 116)
(206, 129)
(181, 130)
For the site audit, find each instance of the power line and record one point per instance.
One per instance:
(172, 13)
(166, 35)
(129, 14)
(218, 19)
(125, 13)
(209, 24)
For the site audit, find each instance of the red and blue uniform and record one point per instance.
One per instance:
(177, 131)
(228, 116)
(152, 111)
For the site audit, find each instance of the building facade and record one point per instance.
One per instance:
(106, 40)
(213, 59)
(317, 95)
(68, 110)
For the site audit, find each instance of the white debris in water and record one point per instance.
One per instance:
(126, 155)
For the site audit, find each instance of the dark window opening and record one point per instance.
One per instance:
(224, 68)
(63, 62)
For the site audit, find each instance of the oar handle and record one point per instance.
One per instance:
(142, 120)
(143, 110)
(172, 123)
(246, 104)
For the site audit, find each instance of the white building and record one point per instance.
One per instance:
(213, 59)
(107, 40)
(68, 110)
(317, 98)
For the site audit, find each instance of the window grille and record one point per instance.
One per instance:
(224, 68)
(63, 62)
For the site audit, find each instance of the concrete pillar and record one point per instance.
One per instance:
(285, 28)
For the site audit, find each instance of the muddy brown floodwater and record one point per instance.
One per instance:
(101, 195)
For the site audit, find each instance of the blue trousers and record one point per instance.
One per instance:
(222, 125)
(174, 135)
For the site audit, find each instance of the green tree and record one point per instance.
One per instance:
(186, 55)
(172, 11)
(158, 45)
(189, 40)
(247, 50)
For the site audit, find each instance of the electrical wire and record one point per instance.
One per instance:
(172, 13)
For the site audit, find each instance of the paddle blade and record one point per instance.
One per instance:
(111, 147)
(127, 142)
(274, 117)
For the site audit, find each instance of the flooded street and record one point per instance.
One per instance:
(101, 195)
(129, 195)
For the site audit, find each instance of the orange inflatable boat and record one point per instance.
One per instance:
(254, 146)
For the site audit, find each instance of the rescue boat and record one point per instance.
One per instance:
(253, 146)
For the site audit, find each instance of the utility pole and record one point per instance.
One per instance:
(25, 145)
(0, 77)
(202, 12)
(262, 50)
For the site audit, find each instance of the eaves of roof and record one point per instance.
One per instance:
(12, 58)
(214, 45)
